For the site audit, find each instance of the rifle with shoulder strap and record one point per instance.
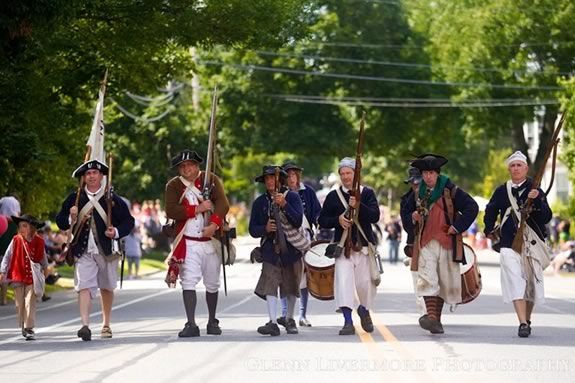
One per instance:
(353, 213)
(422, 207)
(518, 241)
(66, 250)
(280, 244)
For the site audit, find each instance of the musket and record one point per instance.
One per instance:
(67, 251)
(352, 213)
(208, 185)
(208, 182)
(280, 245)
(109, 224)
(423, 209)
(518, 240)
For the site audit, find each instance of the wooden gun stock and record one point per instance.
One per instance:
(280, 244)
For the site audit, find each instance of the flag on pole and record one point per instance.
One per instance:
(96, 139)
(95, 145)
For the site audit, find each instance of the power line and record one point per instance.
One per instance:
(373, 78)
(419, 46)
(515, 101)
(411, 104)
(387, 63)
(134, 117)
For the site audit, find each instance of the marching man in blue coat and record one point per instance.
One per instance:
(521, 274)
(352, 274)
(96, 264)
(281, 247)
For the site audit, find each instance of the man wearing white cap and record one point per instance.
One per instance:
(521, 274)
(352, 274)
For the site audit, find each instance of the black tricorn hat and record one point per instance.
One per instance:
(270, 170)
(413, 175)
(291, 165)
(186, 155)
(429, 162)
(92, 164)
(28, 218)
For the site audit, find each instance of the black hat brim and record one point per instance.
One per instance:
(291, 167)
(29, 219)
(429, 162)
(261, 177)
(184, 156)
(92, 164)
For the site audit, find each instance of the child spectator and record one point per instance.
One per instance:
(26, 246)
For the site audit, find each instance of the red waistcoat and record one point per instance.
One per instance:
(19, 269)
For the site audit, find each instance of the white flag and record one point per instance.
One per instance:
(96, 140)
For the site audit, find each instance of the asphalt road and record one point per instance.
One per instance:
(480, 343)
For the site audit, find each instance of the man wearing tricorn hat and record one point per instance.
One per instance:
(521, 274)
(311, 209)
(352, 275)
(194, 256)
(281, 267)
(96, 265)
(406, 207)
(445, 211)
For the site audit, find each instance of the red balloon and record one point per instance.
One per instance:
(3, 224)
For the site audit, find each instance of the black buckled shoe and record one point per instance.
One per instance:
(85, 333)
(347, 329)
(189, 331)
(269, 328)
(282, 321)
(366, 322)
(524, 330)
(30, 334)
(291, 327)
(529, 326)
(213, 327)
(432, 325)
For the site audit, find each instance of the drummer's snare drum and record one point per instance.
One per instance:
(470, 276)
(320, 271)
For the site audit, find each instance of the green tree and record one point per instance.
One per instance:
(53, 55)
(512, 49)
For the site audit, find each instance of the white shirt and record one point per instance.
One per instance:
(195, 225)
(92, 247)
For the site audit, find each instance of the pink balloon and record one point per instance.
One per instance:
(3, 224)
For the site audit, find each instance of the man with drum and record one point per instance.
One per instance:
(443, 211)
(281, 260)
(311, 208)
(521, 275)
(352, 274)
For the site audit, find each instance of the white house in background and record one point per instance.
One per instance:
(561, 188)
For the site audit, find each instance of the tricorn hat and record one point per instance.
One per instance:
(28, 218)
(429, 162)
(92, 164)
(413, 176)
(291, 165)
(270, 170)
(186, 155)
